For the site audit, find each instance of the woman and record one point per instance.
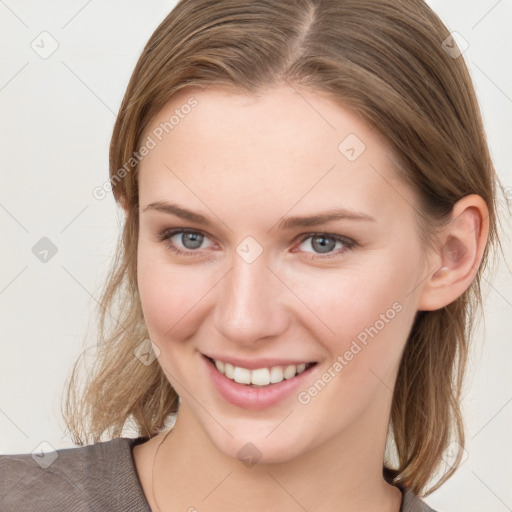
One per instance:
(309, 204)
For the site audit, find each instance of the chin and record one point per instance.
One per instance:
(276, 448)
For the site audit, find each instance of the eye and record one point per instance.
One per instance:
(325, 243)
(183, 241)
(188, 242)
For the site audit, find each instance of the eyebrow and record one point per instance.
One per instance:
(284, 224)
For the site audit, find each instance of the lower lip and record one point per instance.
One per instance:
(252, 398)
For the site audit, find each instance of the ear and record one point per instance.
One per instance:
(455, 262)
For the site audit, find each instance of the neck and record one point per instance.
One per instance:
(345, 473)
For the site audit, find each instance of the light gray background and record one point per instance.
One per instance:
(56, 120)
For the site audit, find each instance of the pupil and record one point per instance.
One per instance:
(323, 246)
(192, 240)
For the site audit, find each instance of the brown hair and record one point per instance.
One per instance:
(388, 60)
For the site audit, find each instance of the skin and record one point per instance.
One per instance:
(246, 162)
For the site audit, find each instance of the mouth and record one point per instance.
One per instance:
(260, 377)
(260, 387)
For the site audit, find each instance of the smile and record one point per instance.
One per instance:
(260, 376)
(264, 384)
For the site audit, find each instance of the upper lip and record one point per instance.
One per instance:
(253, 364)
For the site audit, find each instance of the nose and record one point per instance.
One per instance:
(251, 305)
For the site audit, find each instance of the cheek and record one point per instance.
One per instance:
(371, 316)
(369, 311)
(347, 302)
(171, 297)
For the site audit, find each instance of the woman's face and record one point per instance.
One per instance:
(276, 239)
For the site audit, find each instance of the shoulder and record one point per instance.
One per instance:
(411, 503)
(96, 477)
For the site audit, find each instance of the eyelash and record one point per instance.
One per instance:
(166, 235)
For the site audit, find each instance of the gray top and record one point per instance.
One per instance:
(96, 478)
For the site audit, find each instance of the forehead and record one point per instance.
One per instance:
(287, 145)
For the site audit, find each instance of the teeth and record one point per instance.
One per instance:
(229, 371)
(242, 375)
(260, 376)
(276, 374)
(290, 371)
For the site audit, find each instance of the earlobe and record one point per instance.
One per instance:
(455, 263)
